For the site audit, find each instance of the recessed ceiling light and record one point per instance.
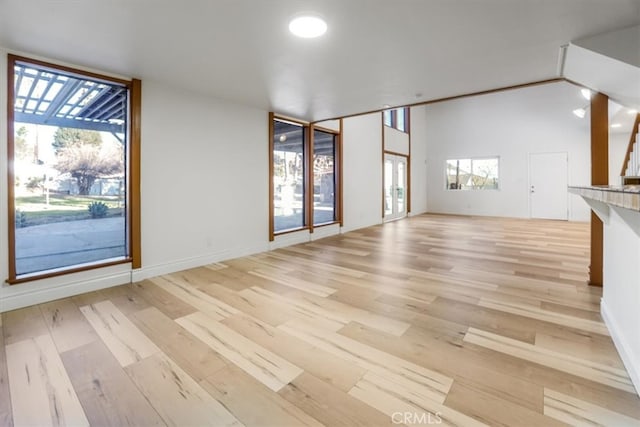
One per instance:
(616, 125)
(308, 26)
(632, 111)
(586, 94)
(386, 106)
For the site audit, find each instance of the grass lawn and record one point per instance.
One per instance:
(62, 207)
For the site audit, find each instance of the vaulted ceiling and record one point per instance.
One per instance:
(375, 52)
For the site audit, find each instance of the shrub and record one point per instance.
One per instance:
(21, 219)
(34, 183)
(98, 209)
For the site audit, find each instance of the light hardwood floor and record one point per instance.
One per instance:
(433, 319)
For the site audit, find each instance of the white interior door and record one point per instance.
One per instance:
(548, 185)
(395, 187)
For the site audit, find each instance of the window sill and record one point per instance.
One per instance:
(64, 271)
(289, 231)
(326, 224)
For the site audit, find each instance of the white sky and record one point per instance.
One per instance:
(44, 136)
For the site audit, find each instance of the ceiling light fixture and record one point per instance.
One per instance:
(616, 125)
(586, 94)
(308, 26)
(632, 111)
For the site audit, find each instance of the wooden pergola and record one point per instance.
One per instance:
(51, 98)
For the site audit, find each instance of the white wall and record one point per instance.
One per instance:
(396, 141)
(510, 125)
(418, 160)
(204, 186)
(618, 143)
(330, 124)
(362, 171)
(621, 287)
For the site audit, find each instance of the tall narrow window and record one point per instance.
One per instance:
(396, 118)
(69, 185)
(387, 117)
(289, 176)
(324, 177)
(401, 120)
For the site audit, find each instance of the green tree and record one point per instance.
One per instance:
(68, 137)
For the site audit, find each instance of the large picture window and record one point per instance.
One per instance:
(69, 184)
(473, 174)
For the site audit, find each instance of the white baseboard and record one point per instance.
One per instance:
(20, 296)
(147, 272)
(326, 231)
(193, 262)
(418, 213)
(27, 294)
(348, 228)
(290, 239)
(238, 253)
(626, 353)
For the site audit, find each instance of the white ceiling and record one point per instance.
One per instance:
(375, 52)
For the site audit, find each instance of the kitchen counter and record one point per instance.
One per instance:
(619, 209)
(627, 196)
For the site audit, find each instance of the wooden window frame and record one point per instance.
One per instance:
(306, 146)
(394, 119)
(309, 128)
(133, 216)
(337, 168)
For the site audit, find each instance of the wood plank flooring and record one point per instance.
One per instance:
(433, 319)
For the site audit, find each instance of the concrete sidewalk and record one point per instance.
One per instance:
(61, 244)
